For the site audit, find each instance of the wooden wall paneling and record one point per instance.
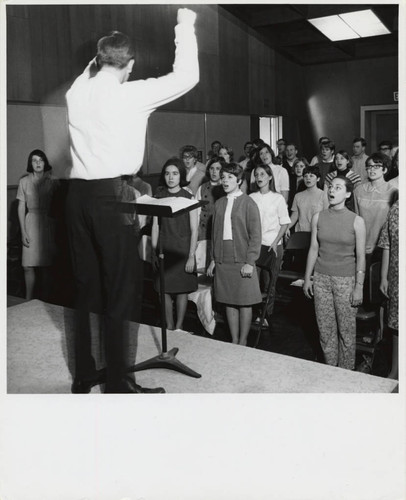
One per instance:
(83, 37)
(64, 49)
(207, 93)
(259, 52)
(50, 58)
(21, 11)
(207, 29)
(36, 48)
(261, 89)
(19, 69)
(233, 64)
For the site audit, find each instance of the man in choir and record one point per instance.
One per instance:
(247, 150)
(195, 170)
(108, 117)
(281, 148)
(290, 157)
(359, 158)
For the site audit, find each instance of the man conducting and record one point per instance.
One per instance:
(108, 118)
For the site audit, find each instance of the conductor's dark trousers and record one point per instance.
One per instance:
(104, 250)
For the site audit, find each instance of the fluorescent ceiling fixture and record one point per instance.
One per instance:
(365, 23)
(350, 25)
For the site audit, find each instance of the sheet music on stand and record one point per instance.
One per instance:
(170, 206)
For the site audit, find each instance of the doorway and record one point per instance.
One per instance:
(380, 123)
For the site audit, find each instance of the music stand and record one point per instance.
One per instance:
(166, 359)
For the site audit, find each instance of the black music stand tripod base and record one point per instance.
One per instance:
(165, 360)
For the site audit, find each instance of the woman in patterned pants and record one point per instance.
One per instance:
(337, 256)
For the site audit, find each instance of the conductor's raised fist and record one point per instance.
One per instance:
(186, 16)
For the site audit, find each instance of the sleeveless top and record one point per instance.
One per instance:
(336, 237)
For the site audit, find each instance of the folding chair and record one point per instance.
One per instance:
(297, 241)
(298, 244)
(265, 301)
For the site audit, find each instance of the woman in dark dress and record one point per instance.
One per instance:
(179, 241)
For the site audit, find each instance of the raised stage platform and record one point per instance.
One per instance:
(40, 361)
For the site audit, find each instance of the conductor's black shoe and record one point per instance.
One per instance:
(128, 386)
(84, 385)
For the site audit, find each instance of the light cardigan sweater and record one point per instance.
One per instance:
(246, 229)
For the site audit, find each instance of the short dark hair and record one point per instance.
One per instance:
(214, 159)
(232, 168)
(380, 158)
(258, 143)
(385, 144)
(178, 163)
(344, 153)
(115, 49)
(312, 169)
(361, 140)
(189, 149)
(41, 154)
(281, 140)
(328, 144)
(302, 159)
(323, 139)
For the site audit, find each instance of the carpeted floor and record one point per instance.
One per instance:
(40, 360)
(292, 329)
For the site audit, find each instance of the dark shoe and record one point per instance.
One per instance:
(85, 384)
(128, 386)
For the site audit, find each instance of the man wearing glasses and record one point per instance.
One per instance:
(195, 170)
(385, 147)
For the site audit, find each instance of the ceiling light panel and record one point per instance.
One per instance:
(334, 28)
(365, 23)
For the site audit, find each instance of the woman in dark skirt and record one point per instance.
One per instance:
(236, 243)
(179, 241)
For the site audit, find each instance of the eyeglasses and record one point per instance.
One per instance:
(384, 148)
(373, 167)
(187, 157)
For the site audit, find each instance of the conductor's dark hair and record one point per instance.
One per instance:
(41, 154)
(115, 49)
(178, 163)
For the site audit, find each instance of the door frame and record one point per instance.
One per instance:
(380, 107)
